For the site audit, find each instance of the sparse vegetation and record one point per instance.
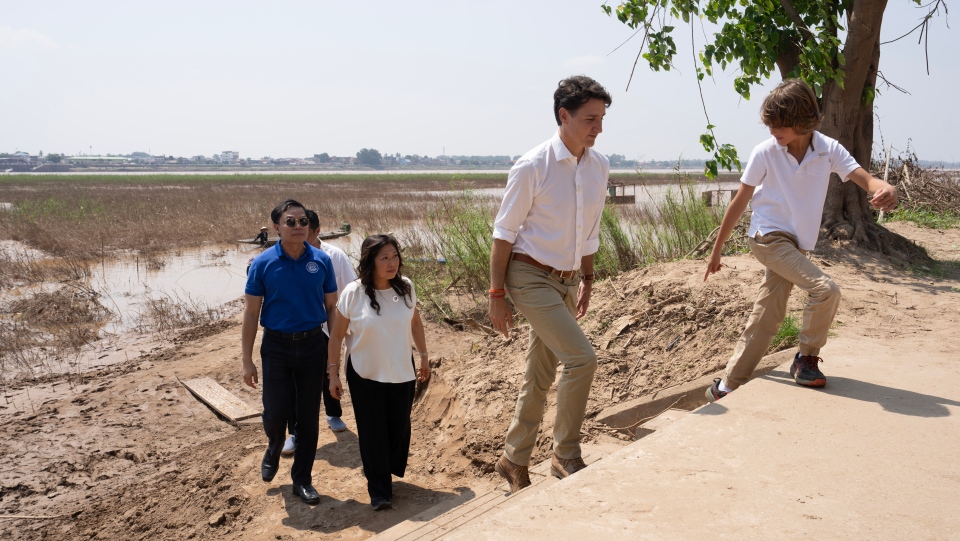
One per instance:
(787, 336)
(927, 218)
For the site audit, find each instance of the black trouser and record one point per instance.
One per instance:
(382, 411)
(330, 404)
(297, 364)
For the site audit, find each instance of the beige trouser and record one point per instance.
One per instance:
(549, 303)
(787, 265)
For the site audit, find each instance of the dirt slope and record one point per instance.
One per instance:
(126, 452)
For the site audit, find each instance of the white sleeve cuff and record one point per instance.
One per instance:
(505, 234)
(591, 246)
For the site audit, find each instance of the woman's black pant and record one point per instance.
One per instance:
(382, 411)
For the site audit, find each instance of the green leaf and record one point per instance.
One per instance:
(710, 169)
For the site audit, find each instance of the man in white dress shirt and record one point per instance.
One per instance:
(545, 236)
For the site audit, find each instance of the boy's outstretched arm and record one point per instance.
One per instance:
(884, 195)
(730, 219)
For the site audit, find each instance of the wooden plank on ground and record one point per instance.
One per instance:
(221, 400)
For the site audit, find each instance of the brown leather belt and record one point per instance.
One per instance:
(524, 258)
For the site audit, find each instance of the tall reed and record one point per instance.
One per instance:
(452, 253)
(617, 252)
(673, 226)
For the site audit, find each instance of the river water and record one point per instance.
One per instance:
(209, 276)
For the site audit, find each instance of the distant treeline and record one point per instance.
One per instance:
(938, 163)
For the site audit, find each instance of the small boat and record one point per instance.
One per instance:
(327, 235)
(270, 241)
(323, 235)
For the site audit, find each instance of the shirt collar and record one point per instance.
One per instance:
(281, 253)
(815, 143)
(560, 150)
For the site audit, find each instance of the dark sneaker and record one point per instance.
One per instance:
(714, 393)
(379, 504)
(561, 468)
(805, 371)
(518, 476)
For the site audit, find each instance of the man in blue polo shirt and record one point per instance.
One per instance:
(291, 288)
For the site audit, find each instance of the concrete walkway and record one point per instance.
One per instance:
(876, 454)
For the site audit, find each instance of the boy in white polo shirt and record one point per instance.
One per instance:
(787, 178)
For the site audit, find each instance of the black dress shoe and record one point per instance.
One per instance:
(268, 467)
(307, 493)
(379, 504)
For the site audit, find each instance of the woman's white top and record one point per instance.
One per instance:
(379, 345)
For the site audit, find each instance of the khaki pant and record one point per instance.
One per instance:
(549, 303)
(787, 265)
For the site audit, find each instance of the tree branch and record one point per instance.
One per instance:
(646, 33)
(889, 84)
(795, 17)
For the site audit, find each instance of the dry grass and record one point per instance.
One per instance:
(43, 326)
(168, 314)
(90, 217)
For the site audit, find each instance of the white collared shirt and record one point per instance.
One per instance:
(790, 195)
(341, 267)
(552, 205)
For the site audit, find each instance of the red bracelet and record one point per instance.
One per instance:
(498, 291)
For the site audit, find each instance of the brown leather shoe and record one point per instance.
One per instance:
(561, 468)
(518, 476)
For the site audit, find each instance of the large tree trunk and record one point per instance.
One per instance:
(848, 118)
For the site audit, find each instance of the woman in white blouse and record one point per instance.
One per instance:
(380, 311)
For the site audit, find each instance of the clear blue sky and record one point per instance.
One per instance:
(286, 79)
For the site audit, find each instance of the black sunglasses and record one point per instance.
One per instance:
(303, 221)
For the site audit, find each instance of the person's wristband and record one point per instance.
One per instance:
(588, 277)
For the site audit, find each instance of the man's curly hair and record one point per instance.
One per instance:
(575, 91)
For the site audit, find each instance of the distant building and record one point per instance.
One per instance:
(20, 158)
(229, 157)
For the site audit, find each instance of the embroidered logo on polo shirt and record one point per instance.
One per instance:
(312, 267)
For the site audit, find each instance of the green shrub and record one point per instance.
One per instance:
(788, 336)
(670, 228)
(616, 253)
(926, 218)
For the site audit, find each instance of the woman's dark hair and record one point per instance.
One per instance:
(575, 91)
(368, 254)
(278, 211)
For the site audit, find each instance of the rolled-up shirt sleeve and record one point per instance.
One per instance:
(517, 200)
